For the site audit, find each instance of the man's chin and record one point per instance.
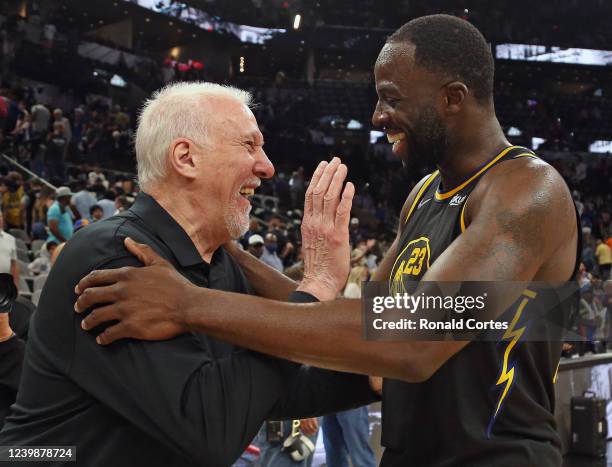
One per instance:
(400, 150)
(237, 226)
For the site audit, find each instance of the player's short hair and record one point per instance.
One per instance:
(453, 47)
(172, 112)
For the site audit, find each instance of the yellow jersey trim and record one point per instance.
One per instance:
(420, 193)
(462, 217)
(454, 191)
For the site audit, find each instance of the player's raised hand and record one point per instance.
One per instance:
(325, 234)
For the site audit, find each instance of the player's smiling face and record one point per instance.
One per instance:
(407, 105)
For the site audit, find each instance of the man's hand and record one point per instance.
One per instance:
(309, 426)
(325, 235)
(148, 302)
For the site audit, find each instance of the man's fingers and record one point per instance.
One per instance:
(316, 176)
(343, 212)
(323, 185)
(112, 334)
(331, 200)
(95, 296)
(143, 252)
(101, 278)
(99, 316)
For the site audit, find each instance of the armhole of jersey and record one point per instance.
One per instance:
(420, 194)
(462, 216)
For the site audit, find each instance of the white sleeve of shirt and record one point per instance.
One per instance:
(14, 250)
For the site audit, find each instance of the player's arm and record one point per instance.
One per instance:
(266, 281)
(514, 228)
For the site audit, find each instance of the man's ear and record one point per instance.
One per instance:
(182, 154)
(455, 94)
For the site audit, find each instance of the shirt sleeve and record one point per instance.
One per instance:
(14, 250)
(315, 391)
(208, 409)
(53, 213)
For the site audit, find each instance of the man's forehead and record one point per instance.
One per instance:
(395, 59)
(396, 53)
(235, 117)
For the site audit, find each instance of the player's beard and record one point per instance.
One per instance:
(430, 139)
(236, 219)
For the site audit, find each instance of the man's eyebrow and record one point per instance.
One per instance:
(387, 87)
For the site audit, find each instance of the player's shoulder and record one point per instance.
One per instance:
(525, 176)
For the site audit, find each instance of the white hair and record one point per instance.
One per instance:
(175, 111)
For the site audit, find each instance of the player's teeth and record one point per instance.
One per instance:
(395, 137)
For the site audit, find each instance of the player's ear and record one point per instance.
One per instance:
(455, 94)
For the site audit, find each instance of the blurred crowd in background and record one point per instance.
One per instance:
(68, 159)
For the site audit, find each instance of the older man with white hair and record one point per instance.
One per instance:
(191, 400)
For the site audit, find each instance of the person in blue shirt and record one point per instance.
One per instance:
(59, 217)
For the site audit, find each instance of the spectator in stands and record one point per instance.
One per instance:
(253, 229)
(12, 202)
(270, 255)
(122, 204)
(297, 187)
(8, 254)
(97, 176)
(355, 231)
(40, 120)
(42, 264)
(255, 247)
(43, 202)
(83, 200)
(59, 217)
(107, 203)
(56, 151)
(358, 274)
(58, 116)
(592, 316)
(96, 213)
(604, 258)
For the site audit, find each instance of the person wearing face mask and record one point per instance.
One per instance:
(270, 253)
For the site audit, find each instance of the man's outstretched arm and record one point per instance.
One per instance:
(266, 281)
(512, 232)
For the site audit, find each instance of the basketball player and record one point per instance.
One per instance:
(491, 211)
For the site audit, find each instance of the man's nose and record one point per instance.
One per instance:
(263, 167)
(380, 117)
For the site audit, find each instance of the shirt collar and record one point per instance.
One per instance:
(165, 227)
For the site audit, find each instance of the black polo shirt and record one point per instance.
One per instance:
(187, 401)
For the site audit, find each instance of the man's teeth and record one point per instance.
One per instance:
(395, 137)
(247, 191)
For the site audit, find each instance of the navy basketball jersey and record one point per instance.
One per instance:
(492, 403)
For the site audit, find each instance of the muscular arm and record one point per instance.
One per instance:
(265, 280)
(521, 227)
(512, 234)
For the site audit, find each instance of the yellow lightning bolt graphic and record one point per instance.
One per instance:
(507, 375)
